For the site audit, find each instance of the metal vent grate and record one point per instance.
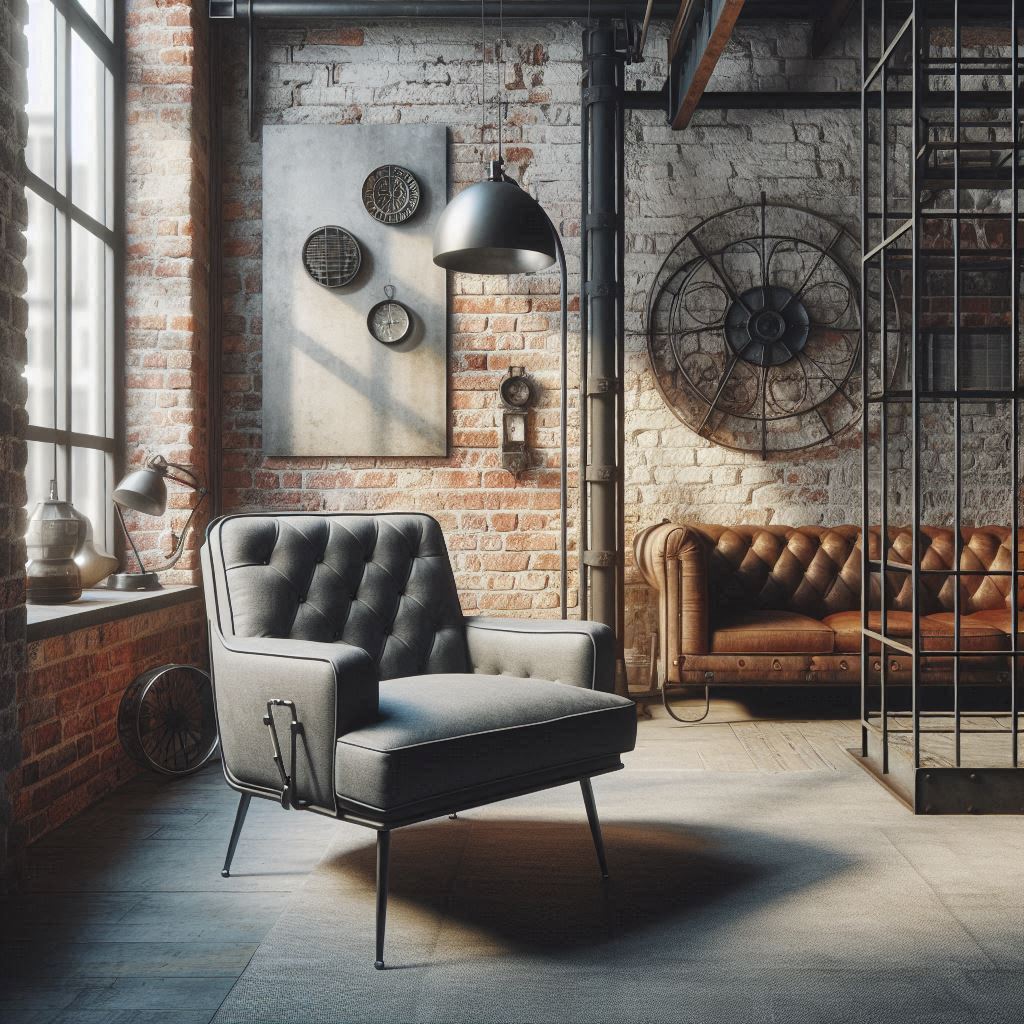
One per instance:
(331, 256)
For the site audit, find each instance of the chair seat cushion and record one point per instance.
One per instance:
(771, 632)
(438, 735)
(977, 633)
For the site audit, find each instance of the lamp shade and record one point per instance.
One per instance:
(143, 490)
(494, 227)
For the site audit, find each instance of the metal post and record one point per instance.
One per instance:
(915, 386)
(602, 290)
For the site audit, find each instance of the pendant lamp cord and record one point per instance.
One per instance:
(483, 81)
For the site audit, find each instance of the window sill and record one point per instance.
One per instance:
(97, 606)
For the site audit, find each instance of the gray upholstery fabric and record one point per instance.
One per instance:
(440, 734)
(382, 583)
(334, 687)
(578, 653)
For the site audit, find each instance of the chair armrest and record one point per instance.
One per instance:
(334, 688)
(577, 653)
(674, 560)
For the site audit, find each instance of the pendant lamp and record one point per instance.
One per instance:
(494, 227)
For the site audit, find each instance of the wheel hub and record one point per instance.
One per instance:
(767, 326)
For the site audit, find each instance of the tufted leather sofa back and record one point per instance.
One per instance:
(815, 570)
(380, 582)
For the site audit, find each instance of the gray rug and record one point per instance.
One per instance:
(740, 898)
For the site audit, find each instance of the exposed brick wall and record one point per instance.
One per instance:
(502, 533)
(13, 312)
(67, 709)
(167, 266)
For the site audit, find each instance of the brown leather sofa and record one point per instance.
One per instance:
(755, 605)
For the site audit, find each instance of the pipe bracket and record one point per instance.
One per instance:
(601, 474)
(601, 94)
(603, 289)
(602, 220)
(602, 385)
(600, 559)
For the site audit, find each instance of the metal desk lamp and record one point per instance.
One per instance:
(145, 490)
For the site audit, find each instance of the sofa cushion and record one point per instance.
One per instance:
(976, 633)
(771, 632)
(437, 735)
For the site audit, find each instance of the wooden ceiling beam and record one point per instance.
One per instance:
(699, 35)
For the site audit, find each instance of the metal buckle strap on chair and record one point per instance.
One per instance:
(295, 729)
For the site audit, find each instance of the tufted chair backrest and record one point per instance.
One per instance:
(380, 582)
(815, 570)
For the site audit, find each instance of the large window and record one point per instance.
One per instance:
(75, 230)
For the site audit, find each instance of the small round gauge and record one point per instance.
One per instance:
(389, 322)
(516, 391)
(391, 194)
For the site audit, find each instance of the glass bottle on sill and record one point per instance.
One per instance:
(52, 577)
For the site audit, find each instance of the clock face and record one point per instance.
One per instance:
(389, 322)
(391, 194)
(516, 391)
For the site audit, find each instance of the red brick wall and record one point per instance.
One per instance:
(167, 264)
(13, 312)
(67, 709)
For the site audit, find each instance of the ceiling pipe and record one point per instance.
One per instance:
(302, 10)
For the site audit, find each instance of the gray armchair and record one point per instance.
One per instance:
(349, 683)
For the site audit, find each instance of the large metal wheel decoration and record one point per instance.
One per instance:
(753, 329)
(166, 720)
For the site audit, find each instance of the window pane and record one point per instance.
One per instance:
(90, 331)
(39, 264)
(39, 471)
(89, 135)
(101, 11)
(39, 154)
(90, 484)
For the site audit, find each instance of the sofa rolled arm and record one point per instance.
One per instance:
(673, 559)
(577, 653)
(333, 686)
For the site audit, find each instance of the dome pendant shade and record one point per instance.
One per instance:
(494, 227)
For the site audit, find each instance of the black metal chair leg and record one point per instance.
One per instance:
(236, 831)
(383, 854)
(595, 824)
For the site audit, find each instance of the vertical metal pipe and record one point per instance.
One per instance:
(563, 427)
(915, 398)
(583, 526)
(865, 507)
(957, 424)
(1015, 377)
(602, 291)
(883, 416)
(620, 362)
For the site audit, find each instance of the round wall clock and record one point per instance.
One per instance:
(391, 194)
(754, 329)
(389, 321)
(331, 256)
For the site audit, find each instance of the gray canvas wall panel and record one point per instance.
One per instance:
(329, 388)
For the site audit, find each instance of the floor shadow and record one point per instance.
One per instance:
(535, 885)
